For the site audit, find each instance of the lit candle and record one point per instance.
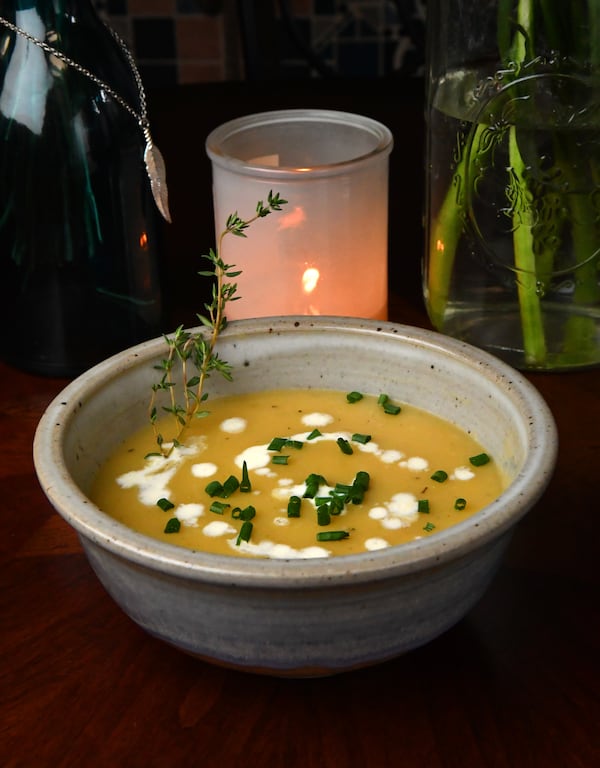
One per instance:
(325, 252)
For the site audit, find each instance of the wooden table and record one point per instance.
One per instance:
(515, 684)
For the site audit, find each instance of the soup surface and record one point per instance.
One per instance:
(298, 474)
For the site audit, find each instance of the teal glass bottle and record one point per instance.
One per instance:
(79, 231)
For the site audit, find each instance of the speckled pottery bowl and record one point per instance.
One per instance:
(303, 617)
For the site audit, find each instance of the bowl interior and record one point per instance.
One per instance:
(453, 380)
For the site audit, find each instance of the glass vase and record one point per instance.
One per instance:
(513, 178)
(78, 227)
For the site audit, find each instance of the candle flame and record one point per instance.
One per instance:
(439, 246)
(310, 278)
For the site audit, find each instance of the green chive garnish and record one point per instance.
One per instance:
(423, 506)
(460, 504)
(248, 512)
(245, 484)
(344, 446)
(362, 480)
(293, 509)
(313, 482)
(229, 486)
(332, 535)
(173, 525)
(280, 458)
(439, 476)
(276, 444)
(165, 504)
(313, 434)
(245, 532)
(479, 460)
(357, 437)
(388, 406)
(428, 527)
(237, 513)
(219, 507)
(214, 488)
(354, 397)
(323, 515)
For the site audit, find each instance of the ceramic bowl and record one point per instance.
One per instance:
(303, 617)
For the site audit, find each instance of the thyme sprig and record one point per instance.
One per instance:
(197, 351)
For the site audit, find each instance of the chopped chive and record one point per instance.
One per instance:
(313, 482)
(320, 500)
(313, 434)
(460, 504)
(362, 480)
(276, 444)
(336, 505)
(354, 397)
(294, 444)
(245, 532)
(332, 535)
(439, 476)
(479, 460)
(173, 525)
(219, 507)
(214, 488)
(393, 410)
(382, 399)
(357, 437)
(229, 486)
(248, 513)
(344, 446)
(428, 527)
(280, 458)
(293, 509)
(236, 513)
(323, 515)
(423, 506)
(165, 504)
(245, 484)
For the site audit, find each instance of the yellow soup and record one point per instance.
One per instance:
(300, 473)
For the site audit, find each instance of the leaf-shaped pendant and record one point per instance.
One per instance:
(155, 166)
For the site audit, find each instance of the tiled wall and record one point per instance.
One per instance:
(186, 41)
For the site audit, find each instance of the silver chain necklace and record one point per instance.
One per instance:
(153, 159)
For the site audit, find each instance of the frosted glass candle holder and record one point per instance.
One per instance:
(325, 252)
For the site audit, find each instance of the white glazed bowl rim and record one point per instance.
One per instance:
(474, 532)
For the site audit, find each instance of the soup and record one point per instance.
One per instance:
(300, 474)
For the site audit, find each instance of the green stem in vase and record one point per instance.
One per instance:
(528, 289)
(448, 227)
(546, 217)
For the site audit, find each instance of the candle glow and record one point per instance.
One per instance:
(326, 252)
